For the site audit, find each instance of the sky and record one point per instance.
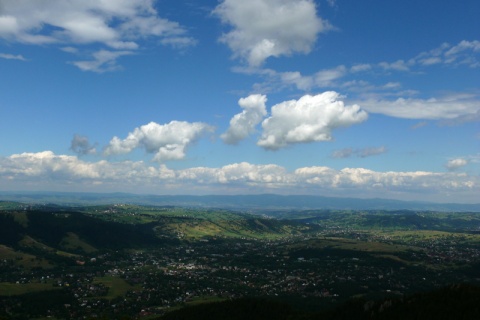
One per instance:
(367, 99)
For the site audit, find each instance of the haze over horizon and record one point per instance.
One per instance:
(327, 97)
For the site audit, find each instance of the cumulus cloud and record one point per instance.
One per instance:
(362, 153)
(117, 25)
(309, 119)
(42, 170)
(239, 174)
(455, 164)
(270, 28)
(81, 145)
(167, 142)
(411, 182)
(448, 107)
(12, 56)
(46, 169)
(243, 124)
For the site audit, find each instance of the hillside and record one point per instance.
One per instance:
(57, 232)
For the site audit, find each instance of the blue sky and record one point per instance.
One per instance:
(328, 97)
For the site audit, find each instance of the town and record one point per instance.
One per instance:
(314, 270)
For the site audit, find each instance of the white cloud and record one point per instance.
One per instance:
(244, 123)
(463, 53)
(297, 79)
(239, 174)
(391, 85)
(45, 169)
(270, 28)
(12, 56)
(448, 107)
(455, 164)
(167, 142)
(311, 118)
(398, 65)
(37, 171)
(410, 182)
(103, 61)
(360, 67)
(419, 125)
(321, 79)
(117, 25)
(325, 78)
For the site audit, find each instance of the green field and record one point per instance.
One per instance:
(117, 287)
(14, 289)
(73, 242)
(24, 260)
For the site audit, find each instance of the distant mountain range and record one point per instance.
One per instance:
(235, 202)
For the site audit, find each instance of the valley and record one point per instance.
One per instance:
(133, 261)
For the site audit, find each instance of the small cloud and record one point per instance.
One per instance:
(326, 78)
(103, 61)
(455, 164)
(69, 49)
(12, 56)
(243, 124)
(430, 61)
(419, 125)
(392, 85)
(81, 146)
(360, 67)
(361, 153)
(368, 152)
(398, 65)
(332, 3)
(343, 153)
(179, 42)
(167, 142)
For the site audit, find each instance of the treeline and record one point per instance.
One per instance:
(454, 302)
(10, 231)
